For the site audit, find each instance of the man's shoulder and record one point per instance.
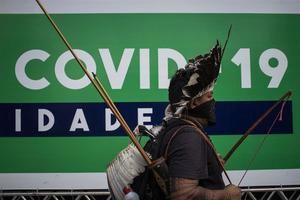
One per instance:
(177, 125)
(183, 134)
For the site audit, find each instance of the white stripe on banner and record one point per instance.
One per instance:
(80, 181)
(152, 6)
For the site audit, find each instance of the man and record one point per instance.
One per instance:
(194, 169)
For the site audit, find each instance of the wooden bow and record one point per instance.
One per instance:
(285, 97)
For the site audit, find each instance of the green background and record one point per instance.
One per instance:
(190, 34)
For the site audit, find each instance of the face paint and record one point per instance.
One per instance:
(205, 110)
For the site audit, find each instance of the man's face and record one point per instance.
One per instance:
(203, 108)
(202, 99)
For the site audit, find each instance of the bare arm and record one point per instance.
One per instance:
(188, 189)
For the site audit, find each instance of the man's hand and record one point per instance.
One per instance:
(233, 192)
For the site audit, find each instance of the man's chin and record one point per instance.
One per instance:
(203, 121)
(211, 123)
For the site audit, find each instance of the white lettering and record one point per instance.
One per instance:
(79, 121)
(144, 69)
(21, 75)
(108, 121)
(61, 73)
(142, 118)
(163, 65)
(168, 61)
(116, 76)
(18, 120)
(242, 58)
(275, 72)
(42, 113)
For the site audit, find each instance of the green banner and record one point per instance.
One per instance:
(134, 56)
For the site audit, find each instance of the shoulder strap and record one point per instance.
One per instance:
(199, 132)
(170, 140)
(190, 124)
(205, 137)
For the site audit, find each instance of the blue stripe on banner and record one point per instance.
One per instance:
(94, 119)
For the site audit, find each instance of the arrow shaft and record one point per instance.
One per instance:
(98, 86)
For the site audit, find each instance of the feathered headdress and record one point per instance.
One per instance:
(196, 78)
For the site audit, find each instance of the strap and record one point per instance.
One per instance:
(200, 132)
(205, 137)
(170, 140)
(190, 124)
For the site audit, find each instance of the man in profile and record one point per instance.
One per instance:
(194, 168)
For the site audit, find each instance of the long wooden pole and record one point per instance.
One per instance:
(99, 87)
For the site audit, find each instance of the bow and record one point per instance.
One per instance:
(282, 100)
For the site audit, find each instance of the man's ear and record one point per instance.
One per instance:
(191, 104)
